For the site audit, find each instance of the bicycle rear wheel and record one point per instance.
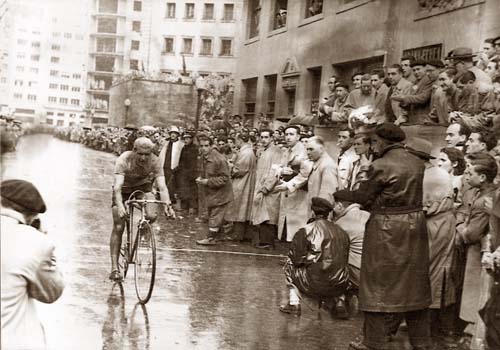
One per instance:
(145, 262)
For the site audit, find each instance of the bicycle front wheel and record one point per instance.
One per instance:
(145, 262)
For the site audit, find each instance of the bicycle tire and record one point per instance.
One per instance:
(123, 256)
(144, 262)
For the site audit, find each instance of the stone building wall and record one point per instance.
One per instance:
(151, 103)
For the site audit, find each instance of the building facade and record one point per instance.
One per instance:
(290, 49)
(158, 37)
(44, 61)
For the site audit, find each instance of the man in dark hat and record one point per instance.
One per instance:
(395, 266)
(317, 259)
(169, 160)
(132, 136)
(188, 191)
(463, 61)
(418, 101)
(28, 263)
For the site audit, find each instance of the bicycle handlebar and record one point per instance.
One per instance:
(145, 201)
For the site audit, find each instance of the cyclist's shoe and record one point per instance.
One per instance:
(207, 241)
(115, 276)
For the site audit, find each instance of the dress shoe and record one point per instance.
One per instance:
(207, 241)
(358, 345)
(290, 309)
(341, 310)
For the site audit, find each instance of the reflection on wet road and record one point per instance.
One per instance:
(222, 297)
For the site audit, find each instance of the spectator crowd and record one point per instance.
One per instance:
(420, 226)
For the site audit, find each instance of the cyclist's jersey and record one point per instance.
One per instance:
(137, 177)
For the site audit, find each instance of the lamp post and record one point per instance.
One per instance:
(127, 104)
(200, 87)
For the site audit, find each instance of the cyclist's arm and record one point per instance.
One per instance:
(117, 190)
(162, 187)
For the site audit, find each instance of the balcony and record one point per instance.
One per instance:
(107, 35)
(106, 53)
(99, 72)
(108, 15)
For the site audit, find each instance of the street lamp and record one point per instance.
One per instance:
(200, 87)
(127, 104)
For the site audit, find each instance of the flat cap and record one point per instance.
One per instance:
(344, 196)
(390, 132)
(321, 205)
(436, 63)
(24, 194)
(418, 63)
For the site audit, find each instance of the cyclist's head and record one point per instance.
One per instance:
(143, 148)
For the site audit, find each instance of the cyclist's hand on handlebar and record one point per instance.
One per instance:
(170, 212)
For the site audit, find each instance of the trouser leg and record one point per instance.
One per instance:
(419, 330)
(375, 330)
(267, 233)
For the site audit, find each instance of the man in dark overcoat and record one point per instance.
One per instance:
(394, 281)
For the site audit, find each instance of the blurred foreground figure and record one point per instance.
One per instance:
(29, 270)
(317, 263)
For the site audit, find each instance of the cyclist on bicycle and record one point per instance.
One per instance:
(135, 170)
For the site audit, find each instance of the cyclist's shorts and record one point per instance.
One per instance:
(148, 187)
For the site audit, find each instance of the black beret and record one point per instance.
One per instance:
(344, 196)
(24, 194)
(436, 63)
(390, 132)
(186, 135)
(321, 205)
(342, 85)
(418, 63)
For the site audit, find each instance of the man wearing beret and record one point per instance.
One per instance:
(28, 263)
(395, 264)
(417, 102)
(317, 259)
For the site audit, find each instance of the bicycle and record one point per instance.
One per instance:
(139, 248)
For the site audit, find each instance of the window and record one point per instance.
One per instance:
(35, 44)
(106, 25)
(49, 121)
(187, 45)
(32, 83)
(135, 44)
(315, 75)
(78, 36)
(169, 45)
(228, 12)
(60, 122)
(75, 89)
(56, 34)
(290, 94)
(138, 6)
(106, 45)
(189, 13)
(313, 8)
(52, 99)
(104, 64)
(21, 56)
(206, 47)
(250, 86)
(52, 86)
(54, 59)
(170, 10)
(64, 87)
(18, 82)
(65, 75)
(108, 6)
(32, 97)
(68, 35)
(50, 114)
(271, 81)
(60, 115)
(136, 26)
(35, 58)
(55, 47)
(75, 102)
(18, 95)
(134, 64)
(208, 12)
(63, 100)
(21, 41)
(19, 69)
(254, 18)
(34, 70)
(226, 47)
(77, 76)
(280, 14)
(54, 73)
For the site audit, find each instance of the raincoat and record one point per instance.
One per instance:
(322, 181)
(219, 189)
(294, 210)
(395, 261)
(318, 260)
(266, 206)
(243, 175)
(438, 206)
